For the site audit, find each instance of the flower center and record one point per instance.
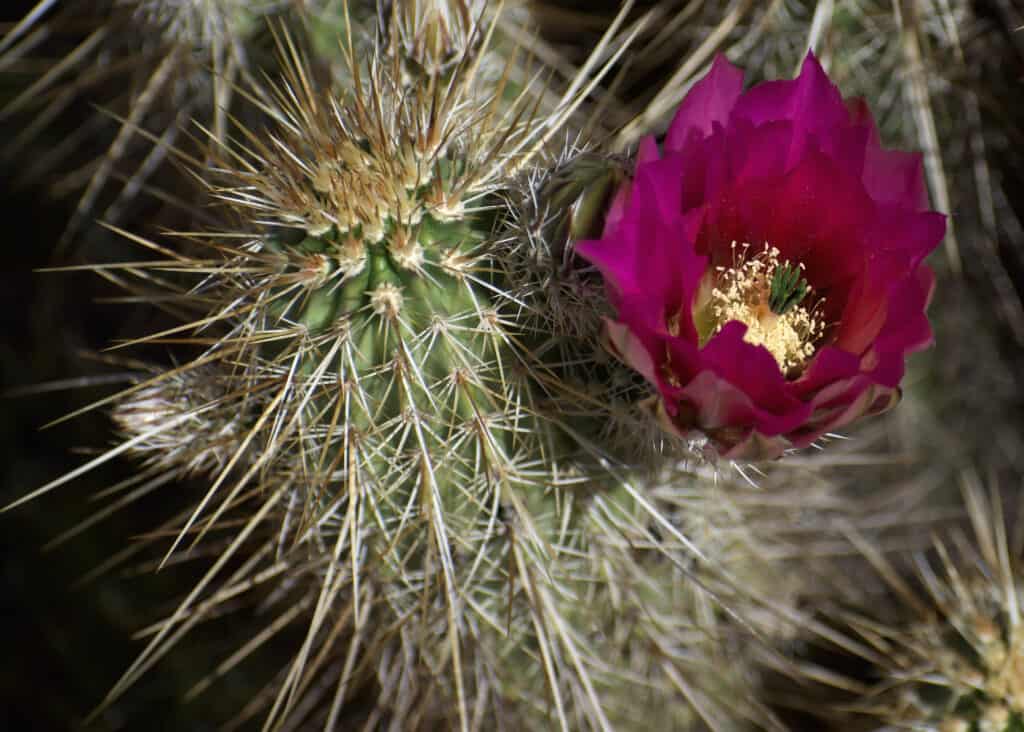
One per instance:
(768, 295)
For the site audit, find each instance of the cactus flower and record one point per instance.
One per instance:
(765, 264)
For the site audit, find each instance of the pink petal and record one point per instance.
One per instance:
(890, 176)
(630, 349)
(791, 165)
(647, 152)
(811, 102)
(708, 102)
(907, 328)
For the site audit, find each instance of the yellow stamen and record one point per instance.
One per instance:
(742, 292)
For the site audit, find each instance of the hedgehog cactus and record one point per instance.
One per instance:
(429, 448)
(949, 651)
(378, 388)
(401, 398)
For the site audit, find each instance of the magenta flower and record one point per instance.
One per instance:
(766, 265)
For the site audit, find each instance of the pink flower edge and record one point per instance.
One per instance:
(792, 164)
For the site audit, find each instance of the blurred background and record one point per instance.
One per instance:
(67, 638)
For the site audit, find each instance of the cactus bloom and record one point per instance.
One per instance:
(766, 264)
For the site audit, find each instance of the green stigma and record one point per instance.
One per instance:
(788, 288)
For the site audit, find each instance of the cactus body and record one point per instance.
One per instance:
(421, 464)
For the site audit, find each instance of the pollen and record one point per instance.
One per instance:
(770, 297)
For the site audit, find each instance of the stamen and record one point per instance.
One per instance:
(767, 295)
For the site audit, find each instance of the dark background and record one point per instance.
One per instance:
(64, 646)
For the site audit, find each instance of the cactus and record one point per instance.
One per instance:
(417, 450)
(419, 469)
(149, 66)
(947, 647)
(387, 383)
(365, 410)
